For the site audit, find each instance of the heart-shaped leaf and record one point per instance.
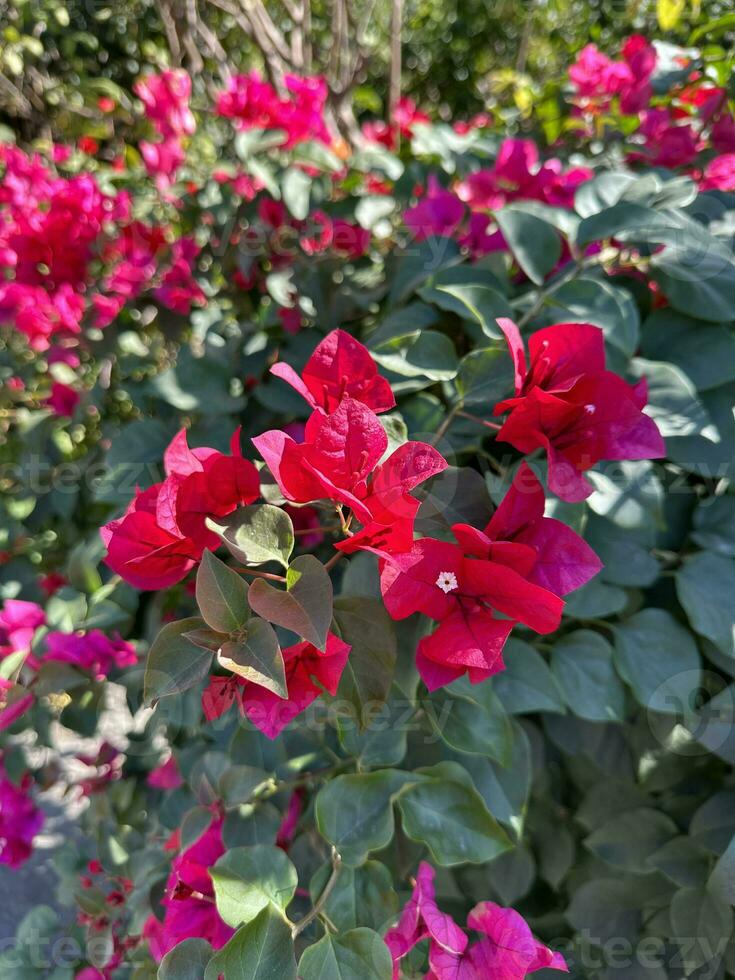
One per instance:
(257, 534)
(256, 657)
(222, 595)
(175, 663)
(304, 607)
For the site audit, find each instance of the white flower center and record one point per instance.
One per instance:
(447, 582)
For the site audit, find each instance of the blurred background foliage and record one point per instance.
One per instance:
(58, 58)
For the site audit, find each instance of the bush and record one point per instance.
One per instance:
(368, 511)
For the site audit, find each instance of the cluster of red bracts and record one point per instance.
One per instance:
(163, 533)
(477, 587)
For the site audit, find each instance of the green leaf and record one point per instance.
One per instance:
(722, 880)
(704, 351)
(238, 784)
(484, 377)
(705, 585)
(681, 860)
(659, 659)
(257, 534)
(483, 304)
(471, 718)
(222, 595)
(596, 600)
(444, 811)
(505, 789)
(253, 141)
(175, 663)
(248, 879)
(697, 277)
(134, 459)
(700, 915)
(629, 839)
(295, 190)
(260, 950)
(458, 495)
(673, 402)
(535, 243)
(317, 155)
(371, 210)
(583, 667)
(361, 896)
(354, 812)
(187, 961)
(526, 684)
(590, 300)
(206, 638)
(429, 354)
(364, 624)
(417, 264)
(624, 552)
(304, 607)
(629, 494)
(359, 954)
(256, 656)
(714, 525)
(622, 217)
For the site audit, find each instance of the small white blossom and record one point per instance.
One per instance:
(447, 582)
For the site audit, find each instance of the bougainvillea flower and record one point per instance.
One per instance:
(166, 776)
(340, 367)
(568, 404)
(308, 672)
(437, 579)
(560, 560)
(598, 79)
(421, 919)
(518, 174)
(163, 533)
(349, 239)
(719, 174)
(669, 142)
(20, 820)
(15, 700)
(190, 910)
(253, 102)
(392, 508)
(166, 100)
(219, 695)
(506, 949)
(178, 289)
(19, 620)
(338, 460)
(141, 552)
(93, 651)
(63, 399)
(333, 462)
(315, 233)
(437, 214)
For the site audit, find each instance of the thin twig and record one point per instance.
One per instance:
(442, 430)
(298, 927)
(476, 418)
